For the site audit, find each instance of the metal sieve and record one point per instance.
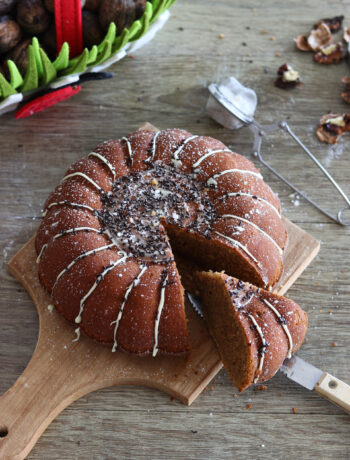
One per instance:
(233, 106)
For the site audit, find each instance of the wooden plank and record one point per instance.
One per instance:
(166, 83)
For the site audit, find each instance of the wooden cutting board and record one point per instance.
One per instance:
(61, 370)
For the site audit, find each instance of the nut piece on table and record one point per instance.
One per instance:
(10, 34)
(346, 34)
(332, 126)
(301, 43)
(32, 16)
(6, 6)
(334, 24)
(346, 93)
(320, 37)
(288, 77)
(331, 54)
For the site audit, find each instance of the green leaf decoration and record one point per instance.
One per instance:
(110, 36)
(134, 29)
(144, 26)
(49, 71)
(158, 10)
(155, 5)
(5, 88)
(16, 77)
(31, 77)
(36, 48)
(79, 66)
(62, 60)
(105, 53)
(92, 55)
(121, 41)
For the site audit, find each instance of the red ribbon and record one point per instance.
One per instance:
(47, 100)
(69, 26)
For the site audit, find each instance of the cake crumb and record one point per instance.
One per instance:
(211, 388)
(334, 344)
(248, 406)
(171, 398)
(306, 339)
(264, 32)
(235, 395)
(272, 38)
(262, 388)
(277, 54)
(281, 394)
(295, 410)
(221, 36)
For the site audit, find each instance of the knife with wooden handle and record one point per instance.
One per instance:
(305, 374)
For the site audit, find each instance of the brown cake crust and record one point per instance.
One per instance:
(255, 329)
(244, 235)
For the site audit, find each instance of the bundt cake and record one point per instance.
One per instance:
(254, 329)
(105, 245)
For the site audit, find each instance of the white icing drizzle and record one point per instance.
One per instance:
(44, 246)
(100, 189)
(105, 161)
(177, 152)
(153, 146)
(258, 198)
(67, 232)
(213, 181)
(238, 244)
(99, 278)
(77, 332)
(67, 203)
(282, 322)
(159, 314)
(134, 283)
(80, 257)
(129, 148)
(233, 216)
(264, 345)
(208, 154)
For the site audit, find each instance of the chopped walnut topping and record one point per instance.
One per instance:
(320, 37)
(332, 126)
(288, 77)
(334, 24)
(331, 54)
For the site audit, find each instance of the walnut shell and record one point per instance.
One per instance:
(92, 32)
(121, 12)
(6, 6)
(320, 37)
(32, 16)
(92, 5)
(10, 33)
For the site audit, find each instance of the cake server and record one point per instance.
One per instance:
(233, 106)
(304, 373)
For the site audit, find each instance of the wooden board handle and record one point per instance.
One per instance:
(335, 390)
(29, 406)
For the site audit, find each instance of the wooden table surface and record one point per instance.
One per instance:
(166, 84)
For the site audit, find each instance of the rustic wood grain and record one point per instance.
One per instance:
(166, 83)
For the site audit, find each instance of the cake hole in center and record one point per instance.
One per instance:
(3, 432)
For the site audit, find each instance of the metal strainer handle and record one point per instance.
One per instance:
(259, 134)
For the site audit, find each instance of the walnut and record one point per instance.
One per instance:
(10, 34)
(332, 126)
(32, 16)
(320, 37)
(334, 24)
(331, 54)
(50, 5)
(92, 5)
(288, 77)
(121, 12)
(6, 6)
(19, 54)
(92, 32)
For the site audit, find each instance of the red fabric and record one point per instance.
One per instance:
(69, 26)
(47, 100)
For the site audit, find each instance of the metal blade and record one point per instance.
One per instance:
(196, 303)
(301, 372)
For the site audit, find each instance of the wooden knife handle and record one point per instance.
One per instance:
(335, 390)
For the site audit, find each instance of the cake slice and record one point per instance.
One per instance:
(254, 329)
